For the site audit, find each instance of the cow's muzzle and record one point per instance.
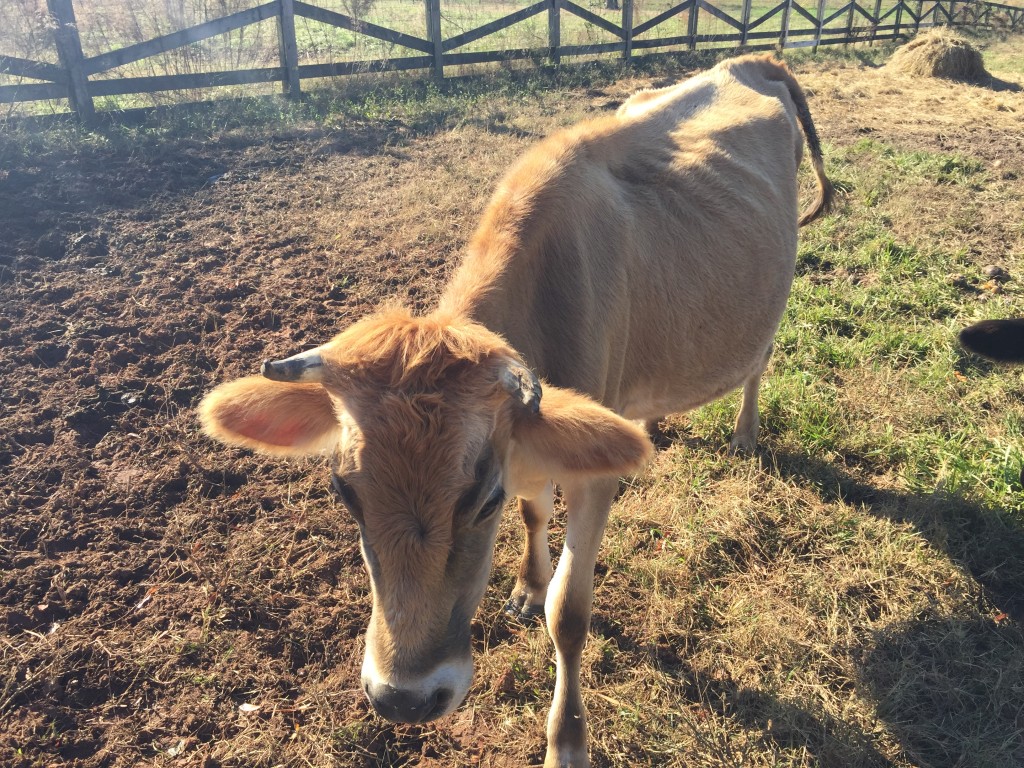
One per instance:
(401, 706)
(419, 699)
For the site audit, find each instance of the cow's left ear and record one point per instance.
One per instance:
(572, 436)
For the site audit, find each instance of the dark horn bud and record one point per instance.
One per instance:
(523, 385)
(303, 367)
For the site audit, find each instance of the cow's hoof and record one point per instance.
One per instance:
(743, 445)
(524, 612)
(566, 759)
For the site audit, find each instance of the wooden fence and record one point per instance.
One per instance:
(798, 27)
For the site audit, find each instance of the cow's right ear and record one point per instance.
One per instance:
(271, 417)
(573, 436)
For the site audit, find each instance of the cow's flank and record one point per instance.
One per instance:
(628, 267)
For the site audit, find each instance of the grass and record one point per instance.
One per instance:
(889, 304)
(848, 597)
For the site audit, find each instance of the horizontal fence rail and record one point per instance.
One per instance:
(798, 26)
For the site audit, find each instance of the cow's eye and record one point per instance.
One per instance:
(492, 505)
(347, 495)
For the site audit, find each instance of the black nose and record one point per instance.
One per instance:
(400, 706)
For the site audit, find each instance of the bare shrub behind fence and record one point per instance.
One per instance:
(26, 30)
(105, 25)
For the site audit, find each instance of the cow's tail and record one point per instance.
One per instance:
(826, 192)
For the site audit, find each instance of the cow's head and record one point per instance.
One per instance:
(430, 426)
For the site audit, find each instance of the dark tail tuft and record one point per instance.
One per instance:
(826, 192)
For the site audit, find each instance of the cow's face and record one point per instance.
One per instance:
(425, 482)
(429, 430)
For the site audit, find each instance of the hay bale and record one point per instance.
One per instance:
(940, 53)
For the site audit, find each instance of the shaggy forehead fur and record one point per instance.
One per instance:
(394, 351)
(424, 394)
(415, 462)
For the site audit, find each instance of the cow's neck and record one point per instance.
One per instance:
(491, 287)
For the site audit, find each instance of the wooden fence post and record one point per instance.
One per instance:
(784, 35)
(820, 26)
(289, 48)
(899, 18)
(876, 20)
(627, 29)
(69, 50)
(554, 32)
(849, 26)
(433, 8)
(745, 21)
(691, 27)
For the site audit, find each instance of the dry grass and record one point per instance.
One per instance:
(940, 53)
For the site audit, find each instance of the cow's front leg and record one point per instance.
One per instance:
(568, 605)
(527, 600)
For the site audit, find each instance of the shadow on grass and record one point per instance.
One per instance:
(786, 726)
(985, 541)
(948, 686)
(1001, 85)
(868, 59)
(947, 689)
(950, 689)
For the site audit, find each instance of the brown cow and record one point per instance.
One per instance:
(631, 266)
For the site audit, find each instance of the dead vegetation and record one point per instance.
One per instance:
(940, 52)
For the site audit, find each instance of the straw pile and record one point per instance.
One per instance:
(939, 53)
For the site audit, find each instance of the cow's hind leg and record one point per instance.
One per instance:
(527, 600)
(568, 607)
(658, 437)
(748, 421)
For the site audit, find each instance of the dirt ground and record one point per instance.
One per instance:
(162, 596)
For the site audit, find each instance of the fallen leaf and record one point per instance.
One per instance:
(147, 597)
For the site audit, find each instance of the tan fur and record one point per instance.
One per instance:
(271, 417)
(574, 436)
(639, 264)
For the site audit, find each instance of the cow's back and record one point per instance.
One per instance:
(646, 258)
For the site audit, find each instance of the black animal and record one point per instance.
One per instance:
(999, 340)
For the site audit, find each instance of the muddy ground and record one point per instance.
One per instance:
(165, 600)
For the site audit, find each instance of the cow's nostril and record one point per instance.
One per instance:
(442, 698)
